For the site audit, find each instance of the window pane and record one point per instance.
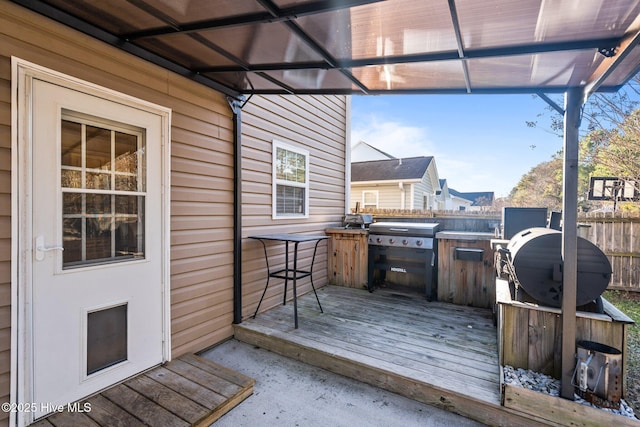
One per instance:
(370, 198)
(126, 183)
(98, 203)
(71, 138)
(71, 203)
(290, 200)
(129, 240)
(98, 238)
(71, 179)
(72, 240)
(126, 149)
(127, 204)
(98, 181)
(290, 166)
(98, 148)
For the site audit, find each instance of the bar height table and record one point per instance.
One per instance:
(289, 273)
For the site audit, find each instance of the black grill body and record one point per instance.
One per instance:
(404, 248)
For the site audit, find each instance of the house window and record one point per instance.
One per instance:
(370, 199)
(426, 202)
(290, 181)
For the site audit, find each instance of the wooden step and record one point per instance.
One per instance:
(189, 391)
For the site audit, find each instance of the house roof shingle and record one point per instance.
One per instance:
(390, 170)
(479, 198)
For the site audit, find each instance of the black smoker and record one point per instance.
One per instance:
(533, 263)
(405, 248)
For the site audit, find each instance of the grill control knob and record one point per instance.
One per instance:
(405, 242)
(379, 240)
(392, 241)
(419, 242)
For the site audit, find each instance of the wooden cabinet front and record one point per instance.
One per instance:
(466, 273)
(348, 253)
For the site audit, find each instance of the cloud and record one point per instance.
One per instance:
(395, 138)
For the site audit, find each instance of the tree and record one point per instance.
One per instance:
(603, 111)
(540, 187)
(610, 146)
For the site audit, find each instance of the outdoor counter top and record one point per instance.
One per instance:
(465, 235)
(342, 230)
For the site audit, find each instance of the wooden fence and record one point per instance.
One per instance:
(616, 234)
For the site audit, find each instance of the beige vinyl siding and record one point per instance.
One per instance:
(314, 123)
(420, 188)
(201, 172)
(5, 231)
(389, 195)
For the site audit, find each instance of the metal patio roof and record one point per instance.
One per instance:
(371, 46)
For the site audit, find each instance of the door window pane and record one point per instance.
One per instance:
(98, 148)
(126, 183)
(126, 155)
(98, 203)
(72, 240)
(98, 181)
(71, 178)
(71, 139)
(103, 192)
(98, 237)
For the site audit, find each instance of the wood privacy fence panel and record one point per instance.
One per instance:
(618, 236)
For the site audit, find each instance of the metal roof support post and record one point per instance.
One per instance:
(236, 107)
(572, 107)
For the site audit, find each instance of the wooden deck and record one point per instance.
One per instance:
(440, 354)
(189, 391)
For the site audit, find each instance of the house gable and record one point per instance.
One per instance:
(362, 152)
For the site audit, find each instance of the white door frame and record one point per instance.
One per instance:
(22, 75)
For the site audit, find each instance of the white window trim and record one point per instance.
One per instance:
(274, 182)
(375, 192)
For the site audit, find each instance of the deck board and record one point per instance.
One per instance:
(437, 353)
(189, 391)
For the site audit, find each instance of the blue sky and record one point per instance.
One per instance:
(480, 142)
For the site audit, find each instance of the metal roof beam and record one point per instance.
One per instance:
(427, 57)
(551, 103)
(625, 47)
(272, 14)
(93, 31)
(456, 28)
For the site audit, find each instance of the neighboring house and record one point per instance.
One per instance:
(410, 183)
(452, 199)
(130, 167)
(481, 200)
(363, 152)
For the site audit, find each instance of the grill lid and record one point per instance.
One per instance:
(422, 229)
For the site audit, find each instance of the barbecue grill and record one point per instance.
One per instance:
(406, 248)
(533, 263)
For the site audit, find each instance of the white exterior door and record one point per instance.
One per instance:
(97, 310)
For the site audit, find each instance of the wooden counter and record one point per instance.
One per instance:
(466, 273)
(348, 254)
(529, 335)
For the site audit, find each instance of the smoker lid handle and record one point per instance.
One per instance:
(398, 229)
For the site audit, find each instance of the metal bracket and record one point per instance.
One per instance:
(237, 104)
(609, 51)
